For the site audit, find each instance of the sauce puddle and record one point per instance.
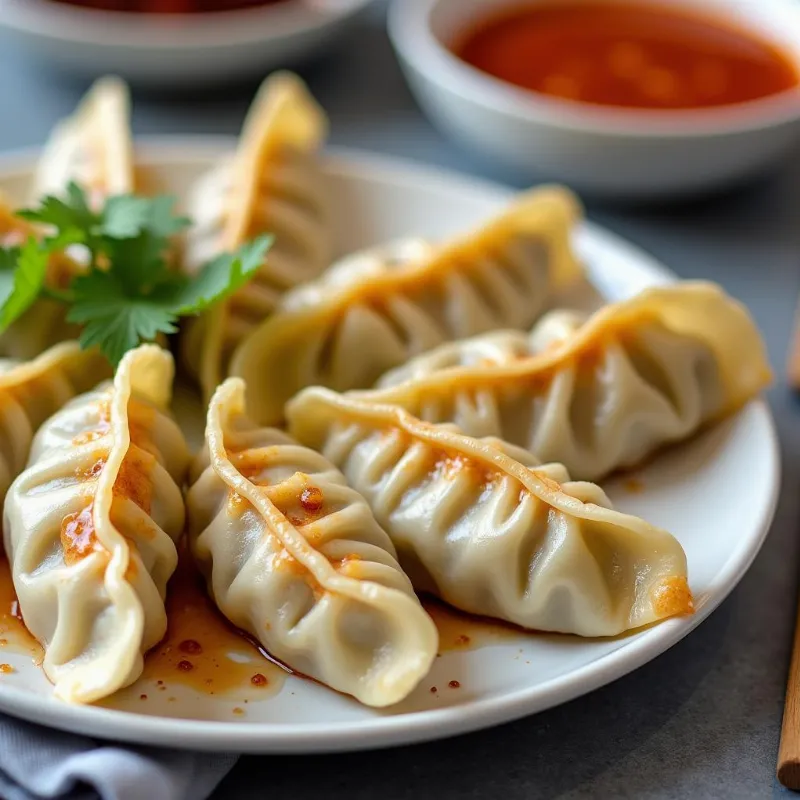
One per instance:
(200, 651)
(203, 651)
(459, 631)
(13, 633)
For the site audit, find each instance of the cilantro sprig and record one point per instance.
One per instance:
(128, 293)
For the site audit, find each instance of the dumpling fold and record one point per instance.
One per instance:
(31, 391)
(93, 147)
(273, 184)
(597, 394)
(295, 557)
(344, 330)
(495, 534)
(90, 528)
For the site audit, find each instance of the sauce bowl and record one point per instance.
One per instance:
(620, 153)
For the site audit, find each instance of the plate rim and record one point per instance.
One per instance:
(419, 726)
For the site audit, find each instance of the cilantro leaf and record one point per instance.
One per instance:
(162, 220)
(69, 213)
(221, 277)
(124, 216)
(113, 319)
(140, 262)
(130, 293)
(27, 281)
(8, 263)
(127, 216)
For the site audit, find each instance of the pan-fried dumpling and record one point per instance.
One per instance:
(490, 534)
(636, 376)
(93, 147)
(488, 349)
(346, 334)
(90, 528)
(554, 328)
(295, 557)
(44, 324)
(497, 347)
(272, 185)
(31, 391)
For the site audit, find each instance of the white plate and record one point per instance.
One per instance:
(716, 494)
(163, 49)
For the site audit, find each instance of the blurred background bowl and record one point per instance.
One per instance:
(177, 49)
(599, 150)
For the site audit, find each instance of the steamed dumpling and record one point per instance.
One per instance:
(491, 534)
(44, 324)
(90, 528)
(637, 375)
(295, 557)
(93, 147)
(345, 333)
(31, 391)
(273, 184)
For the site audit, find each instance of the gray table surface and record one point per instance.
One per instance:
(700, 721)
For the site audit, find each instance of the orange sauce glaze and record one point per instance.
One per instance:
(627, 55)
(202, 650)
(459, 631)
(13, 633)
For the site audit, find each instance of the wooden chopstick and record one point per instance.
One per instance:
(789, 751)
(793, 362)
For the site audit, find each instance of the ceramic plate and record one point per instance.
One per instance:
(716, 494)
(164, 49)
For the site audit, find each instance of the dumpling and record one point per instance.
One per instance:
(295, 557)
(491, 534)
(489, 349)
(554, 328)
(93, 147)
(33, 390)
(638, 375)
(272, 185)
(44, 323)
(345, 335)
(90, 528)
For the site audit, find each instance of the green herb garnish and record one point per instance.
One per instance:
(129, 293)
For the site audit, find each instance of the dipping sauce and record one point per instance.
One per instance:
(632, 56)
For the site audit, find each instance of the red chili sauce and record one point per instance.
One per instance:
(632, 56)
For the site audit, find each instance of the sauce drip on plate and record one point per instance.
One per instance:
(459, 631)
(13, 633)
(202, 650)
(625, 55)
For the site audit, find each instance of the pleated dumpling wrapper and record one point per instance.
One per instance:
(295, 557)
(31, 391)
(491, 533)
(345, 334)
(273, 184)
(44, 323)
(90, 528)
(488, 349)
(636, 376)
(93, 147)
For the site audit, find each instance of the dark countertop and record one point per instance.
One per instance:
(700, 721)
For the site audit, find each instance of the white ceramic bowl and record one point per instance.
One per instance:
(598, 150)
(187, 49)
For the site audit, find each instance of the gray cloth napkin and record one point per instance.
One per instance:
(37, 762)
